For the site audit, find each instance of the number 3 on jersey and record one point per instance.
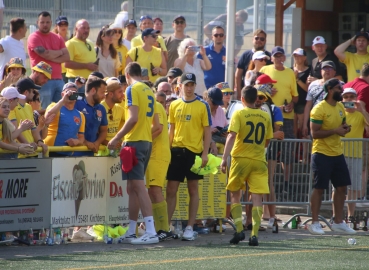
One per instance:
(256, 133)
(151, 106)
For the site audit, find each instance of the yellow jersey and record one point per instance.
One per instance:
(190, 118)
(80, 52)
(137, 41)
(23, 112)
(354, 62)
(122, 55)
(354, 148)
(12, 116)
(329, 117)
(253, 128)
(140, 95)
(115, 119)
(160, 145)
(286, 86)
(145, 59)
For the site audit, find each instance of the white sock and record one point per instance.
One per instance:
(132, 227)
(150, 227)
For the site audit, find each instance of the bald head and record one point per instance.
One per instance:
(82, 29)
(165, 87)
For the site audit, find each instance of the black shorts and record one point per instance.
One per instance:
(327, 168)
(180, 164)
(283, 151)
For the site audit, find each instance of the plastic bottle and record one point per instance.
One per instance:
(30, 236)
(65, 236)
(275, 226)
(178, 231)
(50, 238)
(57, 236)
(293, 222)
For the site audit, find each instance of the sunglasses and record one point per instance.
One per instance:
(179, 22)
(88, 46)
(144, 17)
(218, 35)
(259, 38)
(261, 97)
(111, 115)
(117, 31)
(154, 36)
(227, 94)
(350, 96)
(109, 33)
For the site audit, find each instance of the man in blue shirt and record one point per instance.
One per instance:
(216, 53)
(95, 114)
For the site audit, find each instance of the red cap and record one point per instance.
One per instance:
(264, 79)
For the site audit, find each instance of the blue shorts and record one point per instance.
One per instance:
(327, 168)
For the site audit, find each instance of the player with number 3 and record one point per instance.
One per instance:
(250, 131)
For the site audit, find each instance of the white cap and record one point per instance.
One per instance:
(115, 25)
(11, 92)
(318, 40)
(259, 55)
(349, 91)
(299, 51)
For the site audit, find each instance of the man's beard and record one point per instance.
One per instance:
(337, 96)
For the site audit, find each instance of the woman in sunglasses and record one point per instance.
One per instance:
(107, 56)
(118, 45)
(227, 94)
(259, 60)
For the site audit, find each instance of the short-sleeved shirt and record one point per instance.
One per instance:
(357, 122)
(137, 41)
(115, 119)
(316, 66)
(277, 117)
(302, 76)
(253, 128)
(108, 65)
(190, 118)
(160, 145)
(145, 59)
(219, 120)
(67, 124)
(172, 44)
(140, 95)
(354, 62)
(329, 117)
(12, 48)
(23, 112)
(218, 61)
(245, 59)
(122, 54)
(286, 86)
(49, 41)
(316, 92)
(80, 52)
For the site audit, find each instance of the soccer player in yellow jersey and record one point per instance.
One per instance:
(250, 131)
(140, 109)
(328, 125)
(156, 174)
(113, 97)
(189, 136)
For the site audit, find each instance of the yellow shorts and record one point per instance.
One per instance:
(156, 173)
(254, 172)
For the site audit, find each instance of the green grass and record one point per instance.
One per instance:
(313, 253)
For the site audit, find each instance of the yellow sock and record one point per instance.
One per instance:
(160, 215)
(236, 211)
(257, 212)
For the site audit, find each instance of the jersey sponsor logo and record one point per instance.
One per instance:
(189, 76)
(84, 111)
(77, 120)
(209, 56)
(328, 115)
(99, 115)
(341, 113)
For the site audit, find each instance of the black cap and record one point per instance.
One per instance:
(277, 49)
(215, 95)
(179, 17)
(187, 78)
(174, 72)
(61, 19)
(149, 31)
(131, 22)
(328, 64)
(27, 84)
(362, 33)
(97, 74)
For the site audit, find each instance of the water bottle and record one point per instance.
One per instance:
(65, 236)
(30, 236)
(114, 153)
(178, 232)
(57, 236)
(50, 238)
(293, 222)
(351, 241)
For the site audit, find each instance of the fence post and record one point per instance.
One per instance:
(200, 21)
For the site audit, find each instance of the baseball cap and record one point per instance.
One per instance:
(16, 62)
(11, 92)
(187, 78)
(259, 55)
(179, 17)
(362, 33)
(328, 64)
(330, 84)
(277, 49)
(215, 95)
(115, 25)
(27, 84)
(61, 19)
(97, 74)
(318, 40)
(44, 68)
(264, 79)
(157, 19)
(264, 90)
(131, 22)
(299, 51)
(349, 91)
(144, 17)
(224, 87)
(113, 84)
(174, 72)
(149, 31)
(69, 85)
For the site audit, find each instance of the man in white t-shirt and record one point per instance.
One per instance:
(122, 16)
(12, 46)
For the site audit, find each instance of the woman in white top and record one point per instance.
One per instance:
(259, 60)
(108, 60)
(189, 63)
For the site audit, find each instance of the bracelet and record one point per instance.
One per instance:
(40, 141)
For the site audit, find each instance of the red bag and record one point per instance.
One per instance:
(128, 157)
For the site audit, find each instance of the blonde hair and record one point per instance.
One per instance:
(8, 127)
(182, 46)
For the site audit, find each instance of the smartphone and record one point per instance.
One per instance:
(349, 104)
(73, 96)
(144, 72)
(194, 48)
